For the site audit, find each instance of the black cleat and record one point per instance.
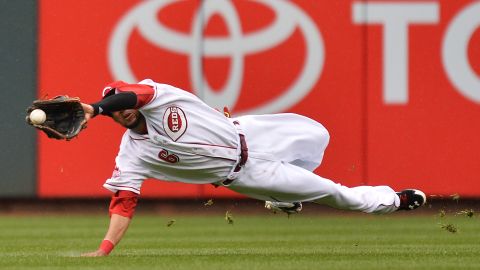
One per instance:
(287, 207)
(411, 199)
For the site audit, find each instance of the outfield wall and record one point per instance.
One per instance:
(18, 31)
(397, 83)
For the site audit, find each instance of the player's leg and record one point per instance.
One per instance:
(410, 199)
(287, 137)
(369, 199)
(309, 145)
(284, 182)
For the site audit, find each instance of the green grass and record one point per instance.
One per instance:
(253, 242)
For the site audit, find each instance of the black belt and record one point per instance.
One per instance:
(243, 159)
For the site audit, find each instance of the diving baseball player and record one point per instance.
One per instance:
(173, 136)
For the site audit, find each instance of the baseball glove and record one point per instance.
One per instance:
(65, 117)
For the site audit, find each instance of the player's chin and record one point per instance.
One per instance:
(133, 122)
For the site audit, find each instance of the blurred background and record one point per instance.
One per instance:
(396, 83)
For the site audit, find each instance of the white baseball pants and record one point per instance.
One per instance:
(284, 149)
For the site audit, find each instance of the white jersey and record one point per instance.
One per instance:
(187, 141)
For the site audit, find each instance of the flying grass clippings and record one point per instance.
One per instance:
(208, 203)
(229, 217)
(171, 222)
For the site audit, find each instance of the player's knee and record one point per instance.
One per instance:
(326, 135)
(323, 137)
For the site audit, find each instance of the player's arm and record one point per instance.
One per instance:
(122, 208)
(120, 97)
(118, 102)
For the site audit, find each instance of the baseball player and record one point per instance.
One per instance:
(172, 135)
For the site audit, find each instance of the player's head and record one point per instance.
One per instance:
(130, 118)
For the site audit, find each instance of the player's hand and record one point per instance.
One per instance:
(97, 253)
(88, 110)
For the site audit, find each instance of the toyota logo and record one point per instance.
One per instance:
(236, 46)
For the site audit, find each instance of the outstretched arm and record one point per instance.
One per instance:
(116, 230)
(112, 103)
(122, 208)
(121, 96)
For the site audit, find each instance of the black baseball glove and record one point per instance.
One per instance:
(65, 117)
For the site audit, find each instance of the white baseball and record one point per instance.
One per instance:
(38, 116)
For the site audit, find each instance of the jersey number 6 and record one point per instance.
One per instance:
(171, 158)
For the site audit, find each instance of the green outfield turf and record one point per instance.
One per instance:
(252, 242)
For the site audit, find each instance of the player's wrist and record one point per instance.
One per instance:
(96, 109)
(106, 246)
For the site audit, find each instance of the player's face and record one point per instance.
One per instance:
(128, 118)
